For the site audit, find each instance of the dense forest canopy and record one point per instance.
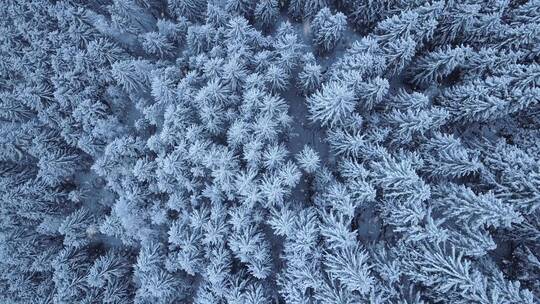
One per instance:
(265, 151)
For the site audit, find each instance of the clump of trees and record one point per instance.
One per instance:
(305, 151)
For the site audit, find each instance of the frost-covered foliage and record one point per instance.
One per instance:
(298, 151)
(328, 29)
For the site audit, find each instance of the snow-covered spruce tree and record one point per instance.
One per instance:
(267, 12)
(310, 78)
(328, 29)
(308, 160)
(437, 65)
(332, 104)
(192, 9)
